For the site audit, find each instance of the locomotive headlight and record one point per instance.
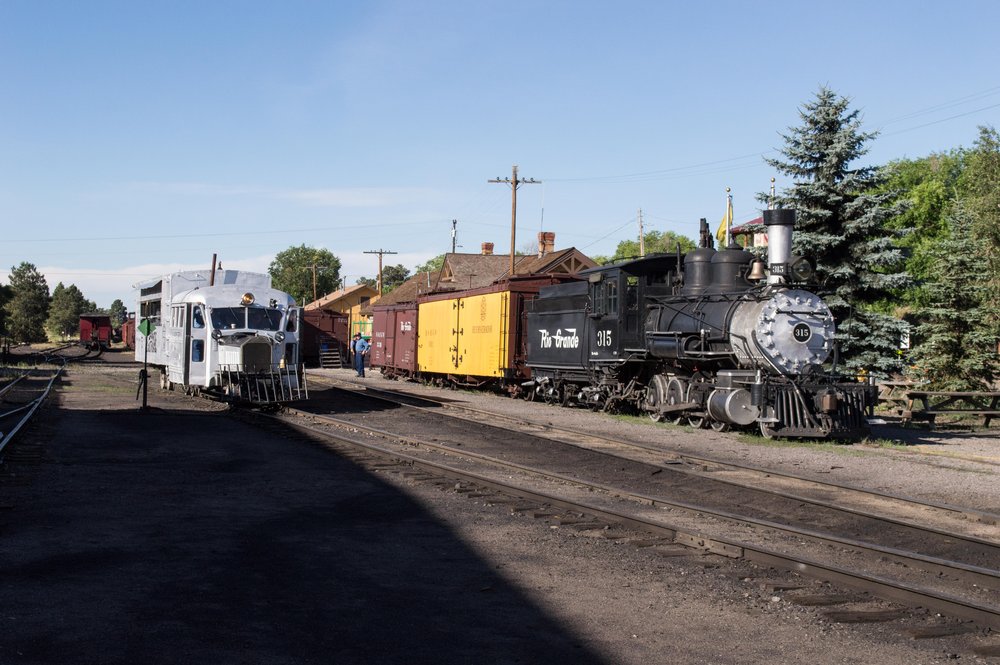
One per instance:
(280, 336)
(247, 299)
(799, 269)
(216, 334)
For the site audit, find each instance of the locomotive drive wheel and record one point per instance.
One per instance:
(656, 394)
(675, 395)
(767, 431)
(720, 427)
(697, 422)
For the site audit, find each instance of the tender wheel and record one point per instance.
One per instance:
(529, 395)
(552, 396)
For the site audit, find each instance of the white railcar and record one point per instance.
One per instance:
(234, 335)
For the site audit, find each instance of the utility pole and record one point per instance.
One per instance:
(454, 223)
(514, 183)
(314, 268)
(380, 252)
(642, 237)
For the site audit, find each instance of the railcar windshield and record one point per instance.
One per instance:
(252, 318)
(263, 319)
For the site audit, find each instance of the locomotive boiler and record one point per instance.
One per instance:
(716, 338)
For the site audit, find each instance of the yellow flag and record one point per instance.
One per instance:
(727, 219)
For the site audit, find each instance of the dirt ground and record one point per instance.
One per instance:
(182, 535)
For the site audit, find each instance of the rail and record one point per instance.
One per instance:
(985, 405)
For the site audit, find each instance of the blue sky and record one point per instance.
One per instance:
(139, 137)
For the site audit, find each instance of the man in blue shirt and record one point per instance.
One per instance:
(360, 351)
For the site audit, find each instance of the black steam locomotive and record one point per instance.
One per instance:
(715, 338)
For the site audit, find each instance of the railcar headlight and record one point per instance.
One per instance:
(800, 270)
(247, 299)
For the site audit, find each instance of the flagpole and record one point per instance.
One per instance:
(729, 217)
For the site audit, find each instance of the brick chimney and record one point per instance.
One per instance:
(546, 242)
(487, 249)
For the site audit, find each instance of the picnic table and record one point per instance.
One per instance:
(982, 404)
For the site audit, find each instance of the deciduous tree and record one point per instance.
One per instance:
(294, 269)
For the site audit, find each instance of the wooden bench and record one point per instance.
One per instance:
(985, 405)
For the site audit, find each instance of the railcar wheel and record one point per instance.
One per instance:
(529, 395)
(657, 393)
(675, 395)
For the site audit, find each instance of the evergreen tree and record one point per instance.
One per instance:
(955, 343)
(981, 193)
(29, 305)
(843, 226)
(65, 307)
(6, 293)
(118, 313)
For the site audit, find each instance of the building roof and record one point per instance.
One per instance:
(333, 299)
(472, 271)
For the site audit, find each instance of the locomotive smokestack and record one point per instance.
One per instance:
(779, 225)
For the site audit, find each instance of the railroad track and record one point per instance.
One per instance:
(892, 554)
(22, 392)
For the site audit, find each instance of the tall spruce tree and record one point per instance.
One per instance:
(842, 225)
(955, 343)
(27, 309)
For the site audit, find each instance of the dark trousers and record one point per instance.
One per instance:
(359, 364)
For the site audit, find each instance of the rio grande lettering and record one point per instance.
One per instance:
(561, 341)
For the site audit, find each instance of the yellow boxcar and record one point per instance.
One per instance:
(482, 334)
(437, 328)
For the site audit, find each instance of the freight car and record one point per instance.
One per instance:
(711, 337)
(325, 335)
(96, 332)
(471, 338)
(127, 332)
(230, 334)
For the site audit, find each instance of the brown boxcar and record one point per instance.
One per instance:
(394, 339)
(128, 332)
(324, 338)
(96, 331)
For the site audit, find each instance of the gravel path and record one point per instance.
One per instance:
(176, 539)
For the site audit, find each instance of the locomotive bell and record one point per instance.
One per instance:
(757, 271)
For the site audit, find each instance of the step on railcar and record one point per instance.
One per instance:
(710, 338)
(232, 335)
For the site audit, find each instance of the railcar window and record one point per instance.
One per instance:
(198, 351)
(293, 320)
(227, 318)
(263, 319)
(612, 297)
(197, 317)
(599, 298)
